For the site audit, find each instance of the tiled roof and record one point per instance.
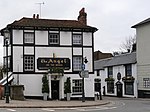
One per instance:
(141, 23)
(50, 23)
(99, 64)
(129, 58)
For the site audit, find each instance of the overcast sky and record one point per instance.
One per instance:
(113, 18)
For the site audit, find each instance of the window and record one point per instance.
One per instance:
(77, 39)
(77, 63)
(97, 84)
(110, 87)
(28, 63)
(77, 86)
(53, 38)
(128, 70)
(146, 82)
(29, 38)
(98, 72)
(110, 72)
(129, 88)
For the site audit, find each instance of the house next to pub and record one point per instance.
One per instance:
(37, 45)
(117, 75)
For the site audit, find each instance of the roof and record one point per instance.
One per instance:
(99, 64)
(141, 23)
(50, 23)
(123, 59)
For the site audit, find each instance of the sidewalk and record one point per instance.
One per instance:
(30, 103)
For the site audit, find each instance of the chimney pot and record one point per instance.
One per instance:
(33, 16)
(37, 17)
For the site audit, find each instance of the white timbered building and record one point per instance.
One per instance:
(34, 41)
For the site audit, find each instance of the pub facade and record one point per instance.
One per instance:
(38, 46)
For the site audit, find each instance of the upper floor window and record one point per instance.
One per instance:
(128, 70)
(77, 39)
(110, 71)
(29, 38)
(53, 38)
(77, 62)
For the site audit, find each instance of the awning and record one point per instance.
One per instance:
(4, 80)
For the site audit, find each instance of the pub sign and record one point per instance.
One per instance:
(46, 63)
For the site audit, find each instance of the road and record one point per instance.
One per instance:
(117, 105)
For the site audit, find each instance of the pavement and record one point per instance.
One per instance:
(32, 103)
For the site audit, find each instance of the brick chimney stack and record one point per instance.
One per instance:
(82, 16)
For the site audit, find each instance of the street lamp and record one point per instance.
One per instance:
(6, 40)
(83, 67)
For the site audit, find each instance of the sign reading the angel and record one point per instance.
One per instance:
(46, 63)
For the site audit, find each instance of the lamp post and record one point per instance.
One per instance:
(6, 36)
(83, 67)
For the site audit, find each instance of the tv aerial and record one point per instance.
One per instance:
(40, 7)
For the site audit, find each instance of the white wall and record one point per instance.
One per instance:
(65, 38)
(41, 37)
(17, 36)
(87, 39)
(17, 59)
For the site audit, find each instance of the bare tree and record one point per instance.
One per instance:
(128, 44)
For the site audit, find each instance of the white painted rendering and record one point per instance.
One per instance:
(65, 38)
(17, 36)
(41, 37)
(87, 39)
(143, 54)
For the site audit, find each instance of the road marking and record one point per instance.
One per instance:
(95, 109)
(50, 110)
(12, 110)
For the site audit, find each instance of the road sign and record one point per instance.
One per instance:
(83, 66)
(85, 74)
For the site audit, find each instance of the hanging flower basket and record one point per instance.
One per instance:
(56, 70)
(128, 79)
(109, 79)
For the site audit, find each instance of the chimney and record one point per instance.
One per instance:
(37, 17)
(33, 16)
(82, 17)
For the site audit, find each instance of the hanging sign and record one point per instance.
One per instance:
(46, 63)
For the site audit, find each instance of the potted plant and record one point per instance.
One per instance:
(67, 88)
(45, 87)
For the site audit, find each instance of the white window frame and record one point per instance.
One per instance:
(77, 63)
(28, 37)
(53, 38)
(77, 39)
(29, 63)
(77, 86)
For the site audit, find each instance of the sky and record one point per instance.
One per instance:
(112, 18)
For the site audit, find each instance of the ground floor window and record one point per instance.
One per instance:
(110, 87)
(29, 63)
(97, 84)
(77, 86)
(146, 82)
(129, 88)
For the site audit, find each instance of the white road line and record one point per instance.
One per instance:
(95, 109)
(50, 110)
(12, 110)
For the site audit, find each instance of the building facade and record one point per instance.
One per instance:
(37, 45)
(143, 58)
(118, 75)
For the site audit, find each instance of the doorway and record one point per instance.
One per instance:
(119, 89)
(55, 89)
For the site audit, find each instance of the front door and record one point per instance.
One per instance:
(119, 90)
(55, 89)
